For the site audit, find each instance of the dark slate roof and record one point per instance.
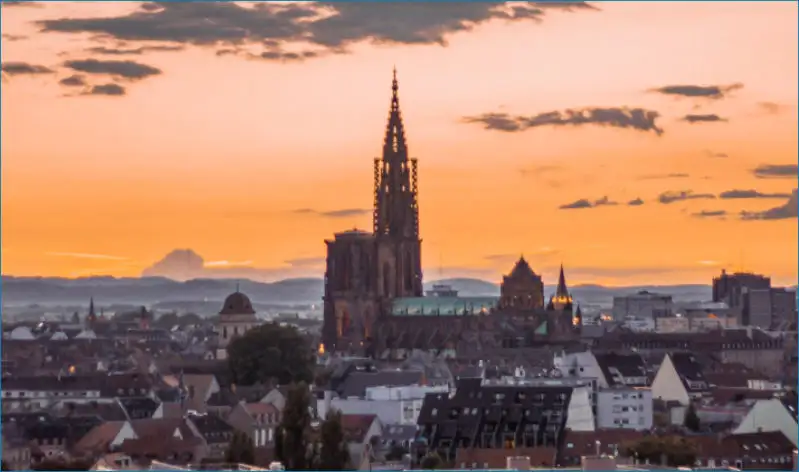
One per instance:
(356, 383)
(628, 365)
(140, 407)
(687, 367)
(214, 429)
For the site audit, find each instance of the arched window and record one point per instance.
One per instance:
(224, 332)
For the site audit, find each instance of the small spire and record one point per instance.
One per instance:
(562, 291)
(237, 286)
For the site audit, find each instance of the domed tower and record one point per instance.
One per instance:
(522, 288)
(236, 318)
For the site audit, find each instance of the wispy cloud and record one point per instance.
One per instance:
(682, 195)
(585, 203)
(706, 118)
(228, 264)
(83, 255)
(788, 210)
(344, 213)
(776, 171)
(709, 92)
(306, 261)
(710, 214)
(748, 194)
(674, 175)
(637, 119)
(716, 155)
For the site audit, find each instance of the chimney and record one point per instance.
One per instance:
(598, 445)
(749, 332)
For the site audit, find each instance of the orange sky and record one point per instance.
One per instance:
(218, 151)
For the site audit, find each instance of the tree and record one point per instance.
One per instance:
(396, 453)
(333, 454)
(269, 352)
(671, 451)
(51, 464)
(692, 419)
(241, 450)
(295, 424)
(431, 461)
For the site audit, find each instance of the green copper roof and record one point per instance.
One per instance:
(542, 329)
(432, 306)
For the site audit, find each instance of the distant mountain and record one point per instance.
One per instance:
(52, 291)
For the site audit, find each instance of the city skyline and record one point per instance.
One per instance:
(180, 138)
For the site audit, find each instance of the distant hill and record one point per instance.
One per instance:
(52, 291)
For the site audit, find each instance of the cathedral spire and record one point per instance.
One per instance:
(396, 210)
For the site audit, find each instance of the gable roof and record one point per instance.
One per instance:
(688, 369)
(99, 438)
(356, 426)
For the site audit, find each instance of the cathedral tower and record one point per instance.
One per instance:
(367, 270)
(396, 210)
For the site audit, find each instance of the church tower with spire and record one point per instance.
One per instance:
(366, 270)
(396, 210)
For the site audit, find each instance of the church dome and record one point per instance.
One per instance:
(237, 304)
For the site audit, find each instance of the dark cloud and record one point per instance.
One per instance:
(626, 118)
(709, 118)
(635, 202)
(711, 92)
(779, 171)
(678, 196)
(345, 213)
(710, 214)
(741, 194)
(716, 155)
(334, 26)
(18, 3)
(24, 68)
(14, 37)
(73, 81)
(113, 90)
(584, 203)
(783, 212)
(121, 51)
(125, 69)
(675, 175)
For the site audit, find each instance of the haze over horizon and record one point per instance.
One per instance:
(586, 136)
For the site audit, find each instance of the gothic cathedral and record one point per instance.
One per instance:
(365, 271)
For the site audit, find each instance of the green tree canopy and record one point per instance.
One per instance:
(241, 450)
(692, 419)
(269, 352)
(333, 454)
(431, 461)
(671, 451)
(292, 445)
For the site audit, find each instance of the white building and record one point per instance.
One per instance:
(392, 405)
(642, 305)
(624, 408)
